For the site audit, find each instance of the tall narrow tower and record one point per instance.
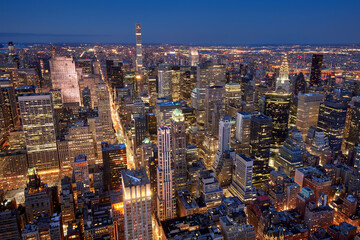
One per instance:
(315, 75)
(139, 60)
(165, 177)
(224, 140)
(137, 204)
(224, 135)
(283, 81)
(178, 148)
(37, 117)
(104, 112)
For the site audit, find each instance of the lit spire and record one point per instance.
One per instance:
(283, 81)
(284, 68)
(177, 115)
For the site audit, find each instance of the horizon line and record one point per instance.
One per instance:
(184, 44)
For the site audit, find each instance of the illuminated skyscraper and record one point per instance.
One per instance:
(176, 83)
(140, 130)
(290, 156)
(242, 130)
(37, 117)
(152, 89)
(81, 174)
(85, 65)
(260, 139)
(308, 111)
(139, 57)
(137, 204)
(193, 56)
(178, 148)
(300, 84)
(12, 57)
(9, 117)
(80, 141)
(242, 186)
(114, 159)
(232, 96)
(208, 75)
(165, 81)
(67, 201)
(332, 117)
(104, 112)
(91, 81)
(214, 108)
(283, 81)
(188, 84)
(166, 202)
(115, 74)
(315, 76)
(352, 125)
(224, 141)
(64, 77)
(277, 107)
(224, 135)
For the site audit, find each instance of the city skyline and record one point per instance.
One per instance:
(167, 141)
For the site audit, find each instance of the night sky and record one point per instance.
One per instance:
(188, 22)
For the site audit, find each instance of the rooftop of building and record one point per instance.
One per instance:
(321, 234)
(350, 198)
(215, 87)
(321, 179)
(319, 208)
(146, 140)
(197, 165)
(187, 199)
(43, 223)
(207, 174)
(12, 152)
(178, 113)
(35, 94)
(245, 157)
(227, 221)
(247, 113)
(168, 104)
(347, 226)
(164, 128)
(97, 215)
(261, 117)
(80, 158)
(150, 114)
(306, 170)
(134, 177)
(311, 94)
(233, 202)
(112, 147)
(26, 87)
(306, 192)
(335, 104)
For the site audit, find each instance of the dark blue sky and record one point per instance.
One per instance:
(189, 22)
